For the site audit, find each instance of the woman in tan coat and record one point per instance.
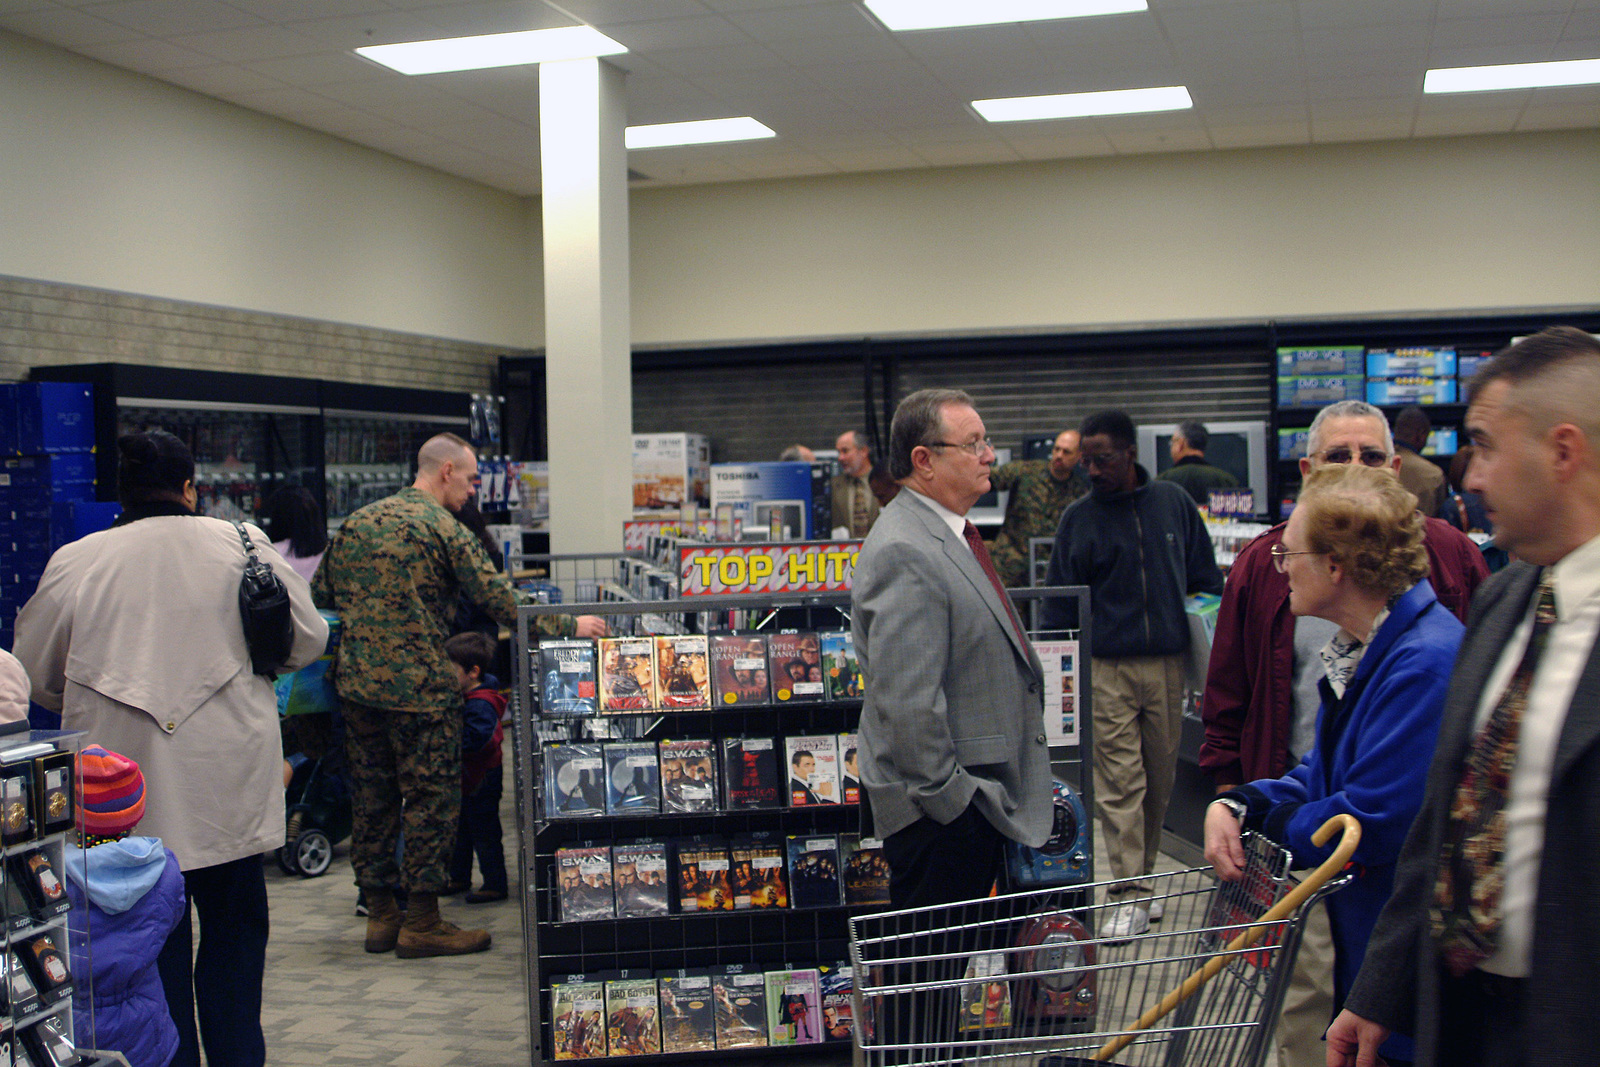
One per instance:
(135, 635)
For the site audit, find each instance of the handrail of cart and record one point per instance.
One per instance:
(1350, 831)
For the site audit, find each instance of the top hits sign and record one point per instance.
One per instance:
(778, 567)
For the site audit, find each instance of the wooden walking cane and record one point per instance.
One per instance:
(1351, 837)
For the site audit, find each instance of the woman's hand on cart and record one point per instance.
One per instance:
(1224, 850)
(1353, 1041)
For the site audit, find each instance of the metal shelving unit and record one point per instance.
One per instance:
(698, 939)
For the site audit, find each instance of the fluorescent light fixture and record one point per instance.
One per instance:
(1511, 76)
(1082, 105)
(941, 14)
(493, 50)
(705, 131)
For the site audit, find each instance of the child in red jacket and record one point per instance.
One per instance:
(482, 777)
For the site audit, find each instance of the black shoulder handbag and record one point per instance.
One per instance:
(265, 611)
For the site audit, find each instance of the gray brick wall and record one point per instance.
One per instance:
(45, 324)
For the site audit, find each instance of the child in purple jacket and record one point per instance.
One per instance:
(127, 896)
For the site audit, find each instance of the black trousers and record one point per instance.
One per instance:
(930, 865)
(479, 833)
(221, 982)
(933, 863)
(1481, 1021)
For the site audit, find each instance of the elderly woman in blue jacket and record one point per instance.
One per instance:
(1353, 553)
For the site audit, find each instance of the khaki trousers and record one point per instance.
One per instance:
(1308, 1002)
(1138, 717)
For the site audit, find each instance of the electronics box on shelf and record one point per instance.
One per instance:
(1411, 363)
(1339, 360)
(1412, 391)
(1315, 391)
(670, 469)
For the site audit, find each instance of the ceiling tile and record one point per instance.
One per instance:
(69, 29)
(887, 157)
(1458, 9)
(1060, 145)
(1478, 121)
(709, 62)
(147, 56)
(323, 69)
(295, 10)
(813, 20)
(493, 16)
(1130, 142)
(1228, 20)
(963, 155)
(602, 13)
(355, 31)
(1560, 118)
(291, 104)
(1260, 136)
(242, 46)
(709, 31)
(863, 48)
(1534, 30)
(160, 18)
(1386, 86)
(1322, 14)
(221, 79)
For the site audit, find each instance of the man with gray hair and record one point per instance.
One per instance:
(1486, 950)
(953, 754)
(1189, 467)
(1261, 696)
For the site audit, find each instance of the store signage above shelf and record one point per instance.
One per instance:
(775, 567)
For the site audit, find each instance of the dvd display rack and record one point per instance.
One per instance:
(39, 798)
(668, 941)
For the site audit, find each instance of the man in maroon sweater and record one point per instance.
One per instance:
(1260, 701)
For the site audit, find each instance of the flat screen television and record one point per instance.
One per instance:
(1240, 448)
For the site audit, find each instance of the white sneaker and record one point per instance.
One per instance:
(1126, 921)
(1157, 910)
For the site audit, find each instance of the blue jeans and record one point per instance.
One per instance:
(222, 982)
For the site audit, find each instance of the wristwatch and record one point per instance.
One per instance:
(1235, 806)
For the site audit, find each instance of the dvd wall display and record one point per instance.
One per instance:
(794, 1007)
(583, 883)
(574, 780)
(578, 1018)
(688, 1022)
(633, 1027)
(739, 1003)
(750, 773)
(640, 879)
(814, 870)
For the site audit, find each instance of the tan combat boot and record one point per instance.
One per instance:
(425, 934)
(383, 920)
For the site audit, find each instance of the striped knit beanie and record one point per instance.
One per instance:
(113, 793)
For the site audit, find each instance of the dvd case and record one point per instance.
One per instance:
(739, 669)
(794, 1007)
(795, 657)
(866, 871)
(739, 1002)
(568, 679)
(578, 1018)
(836, 984)
(688, 776)
(583, 883)
(627, 674)
(633, 1027)
(849, 774)
(750, 773)
(705, 880)
(633, 778)
(759, 876)
(813, 768)
(574, 780)
(839, 666)
(639, 876)
(985, 994)
(683, 672)
(814, 870)
(688, 1023)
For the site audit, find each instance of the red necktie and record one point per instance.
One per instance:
(980, 550)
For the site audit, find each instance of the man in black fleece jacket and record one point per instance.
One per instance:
(1141, 548)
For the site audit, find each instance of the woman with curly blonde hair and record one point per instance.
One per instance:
(1353, 553)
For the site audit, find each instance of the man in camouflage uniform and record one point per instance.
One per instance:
(1040, 492)
(393, 573)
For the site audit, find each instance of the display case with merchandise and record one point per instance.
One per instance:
(39, 799)
(748, 862)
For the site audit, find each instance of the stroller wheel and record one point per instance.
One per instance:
(313, 853)
(286, 863)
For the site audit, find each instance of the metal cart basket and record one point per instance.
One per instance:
(1024, 981)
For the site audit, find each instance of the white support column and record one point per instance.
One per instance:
(588, 360)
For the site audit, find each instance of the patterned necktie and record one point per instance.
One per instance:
(1466, 911)
(979, 549)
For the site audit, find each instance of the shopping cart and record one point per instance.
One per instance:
(1023, 981)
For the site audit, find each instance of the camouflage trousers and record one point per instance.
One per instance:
(405, 772)
(1011, 564)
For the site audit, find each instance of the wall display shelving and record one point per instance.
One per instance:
(686, 930)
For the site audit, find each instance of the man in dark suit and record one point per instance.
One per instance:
(1486, 950)
(952, 744)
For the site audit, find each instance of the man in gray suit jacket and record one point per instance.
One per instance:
(953, 752)
(1486, 950)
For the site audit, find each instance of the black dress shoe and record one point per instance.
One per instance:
(453, 889)
(484, 896)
